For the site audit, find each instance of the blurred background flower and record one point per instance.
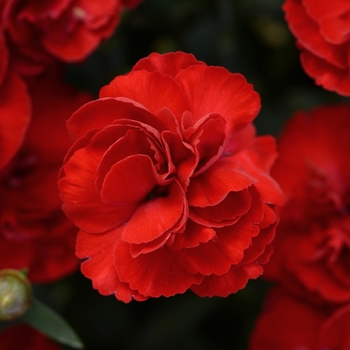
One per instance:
(245, 36)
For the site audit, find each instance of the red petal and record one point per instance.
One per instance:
(81, 43)
(130, 181)
(267, 187)
(217, 256)
(99, 266)
(211, 187)
(82, 201)
(326, 74)
(144, 248)
(224, 213)
(152, 90)
(181, 157)
(230, 282)
(156, 216)
(208, 137)
(332, 17)
(125, 142)
(308, 36)
(155, 274)
(259, 243)
(168, 64)
(193, 235)
(101, 113)
(215, 90)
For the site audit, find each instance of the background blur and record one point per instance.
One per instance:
(246, 36)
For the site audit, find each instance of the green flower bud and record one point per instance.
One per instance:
(15, 294)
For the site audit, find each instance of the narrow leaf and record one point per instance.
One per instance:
(47, 321)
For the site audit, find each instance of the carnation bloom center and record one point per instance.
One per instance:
(158, 192)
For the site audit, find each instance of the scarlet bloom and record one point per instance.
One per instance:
(34, 232)
(289, 323)
(68, 30)
(25, 338)
(312, 245)
(322, 31)
(169, 184)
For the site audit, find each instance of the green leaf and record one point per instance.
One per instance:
(47, 321)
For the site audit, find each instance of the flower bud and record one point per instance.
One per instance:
(15, 294)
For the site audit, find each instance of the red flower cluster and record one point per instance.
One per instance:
(41, 32)
(168, 183)
(322, 31)
(311, 257)
(34, 232)
(289, 323)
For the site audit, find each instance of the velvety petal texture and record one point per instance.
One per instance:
(322, 32)
(312, 245)
(168, 183)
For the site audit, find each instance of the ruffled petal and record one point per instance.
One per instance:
(230, 282)
(216, 256)
(220, 92)
(326, 74)
(193, 235)
(152, 90)
(168, 64)
(211, 187)
(156, 216)
(123, 183)
(98, 266)
(155, 274)
(97, 114)
(82, 201)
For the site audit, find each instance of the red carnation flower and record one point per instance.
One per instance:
(14, 108)
(34, 232)
(25, 338)
(68, 30)
(288, 323)
(169, 184)
(322, 31)
(312, 245)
